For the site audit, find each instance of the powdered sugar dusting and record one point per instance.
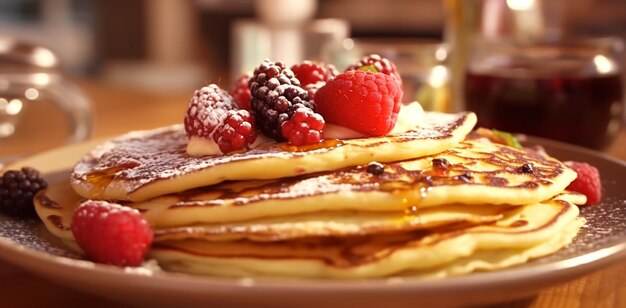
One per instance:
(147, 268)
(207, 109)
(436, 126)
(139, 158)
(31, 234)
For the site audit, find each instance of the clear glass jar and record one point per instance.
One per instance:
(39, 108)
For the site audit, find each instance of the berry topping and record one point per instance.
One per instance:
(311, 89)
(331, 71)
(276, 95)
(365, 102)
(17, 189)
(206, 111)
(587, 182)
(375, 168)
(304, 128)
(110, 233)
(527, 168)
(241, 92)
(309, 72)
(380, 64)
(237, 131)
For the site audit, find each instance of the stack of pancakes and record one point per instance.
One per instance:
(442, 204)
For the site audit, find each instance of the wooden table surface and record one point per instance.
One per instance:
(119, 110)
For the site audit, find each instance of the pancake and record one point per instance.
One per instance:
(143, 165)
(344, 224)
(56, 207)
(434, 251)
(469, 208)
(537, 230)
(489, 260)
(338, 224)
(480, 173)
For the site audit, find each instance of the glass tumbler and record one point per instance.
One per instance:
(568, 90)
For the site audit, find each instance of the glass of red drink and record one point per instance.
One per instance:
(567, 90)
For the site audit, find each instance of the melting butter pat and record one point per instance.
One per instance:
(199, 146)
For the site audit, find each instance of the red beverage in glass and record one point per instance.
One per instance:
(574, 109)
(567, 95)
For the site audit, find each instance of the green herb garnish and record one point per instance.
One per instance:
(369, 68)
(508, 138)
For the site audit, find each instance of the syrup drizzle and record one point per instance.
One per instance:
(161, 154)
(100, 179)
(410, 186)
(43, 199)
(325, 144)
(57, 221)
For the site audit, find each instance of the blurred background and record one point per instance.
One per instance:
(102, 39)
(122, 55)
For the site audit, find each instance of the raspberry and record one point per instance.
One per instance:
(381, 64)
(587, 182)
(241, 92)
(304, 128)
(331, 71)
(276, 94)
(365, 102)
(237, 131)
(17, 189)
(110, 233)
(311, 89)
(309, 72)
(207, 109)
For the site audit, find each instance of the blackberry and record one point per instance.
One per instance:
(17, 189)
(375, 168)
(275, 96)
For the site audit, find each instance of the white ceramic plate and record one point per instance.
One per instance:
(603, 241)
